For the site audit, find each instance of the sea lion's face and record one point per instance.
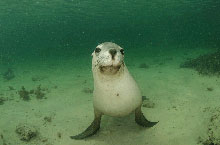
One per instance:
(108, 58)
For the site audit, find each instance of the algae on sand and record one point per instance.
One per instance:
(208, 64)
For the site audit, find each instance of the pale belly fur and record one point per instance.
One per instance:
(117, 97)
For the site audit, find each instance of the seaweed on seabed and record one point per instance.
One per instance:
(2, 100)
(208, 64)
(25, 95)
(38, 92)
(9, 74)
(26, 132)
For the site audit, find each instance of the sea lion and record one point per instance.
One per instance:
(115, 91)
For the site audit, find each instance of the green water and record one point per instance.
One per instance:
(53, 41)
(69, 25)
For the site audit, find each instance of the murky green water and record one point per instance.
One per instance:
(28, 26)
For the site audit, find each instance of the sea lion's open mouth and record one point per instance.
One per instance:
(111, 69)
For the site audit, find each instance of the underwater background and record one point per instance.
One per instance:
(46, 81)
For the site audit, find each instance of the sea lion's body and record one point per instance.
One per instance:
(115, 91)
(116, 96)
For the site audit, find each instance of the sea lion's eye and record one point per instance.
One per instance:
(97, 50)
(122, 51)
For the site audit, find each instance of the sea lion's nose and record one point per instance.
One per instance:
(113, 52)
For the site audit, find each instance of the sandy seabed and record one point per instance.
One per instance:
(186, 104)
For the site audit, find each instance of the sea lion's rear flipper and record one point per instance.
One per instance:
(141, 120)
(91, 130)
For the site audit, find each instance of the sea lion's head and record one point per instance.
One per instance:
(108, 58)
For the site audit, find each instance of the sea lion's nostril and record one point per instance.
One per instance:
(112, 52)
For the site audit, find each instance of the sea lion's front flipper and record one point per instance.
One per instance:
(141, 120)
(91, 130)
